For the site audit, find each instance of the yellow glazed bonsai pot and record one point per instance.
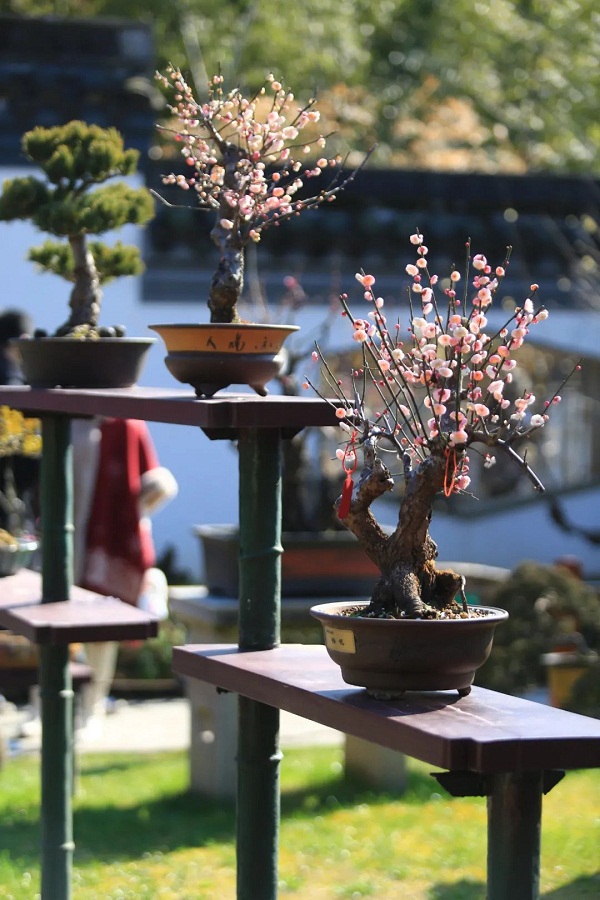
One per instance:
(213, 356)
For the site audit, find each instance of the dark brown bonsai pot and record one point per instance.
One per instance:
(390, 656)
(67, 362)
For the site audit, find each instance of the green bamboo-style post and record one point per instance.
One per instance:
(259, 629)
(56, 690)
(514, 836)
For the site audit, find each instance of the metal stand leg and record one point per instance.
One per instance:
(258, 800)
(514, 836)
(259, 629)
(57, 772)
(260, 539)
(55, 679)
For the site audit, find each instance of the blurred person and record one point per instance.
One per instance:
(14, 323)
(118, 484)
(22, 471)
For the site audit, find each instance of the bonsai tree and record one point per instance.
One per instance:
(69, 203)
(547, 606)
(438, 387)
(244, 156)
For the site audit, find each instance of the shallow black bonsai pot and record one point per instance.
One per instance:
(71, 363)
(390, 656)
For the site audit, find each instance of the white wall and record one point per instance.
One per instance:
(524, 532)
(207, 470)
(196, 462)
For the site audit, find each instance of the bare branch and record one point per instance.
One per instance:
(481, 437)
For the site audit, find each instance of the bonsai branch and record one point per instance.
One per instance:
(374, 481)
(482, 437)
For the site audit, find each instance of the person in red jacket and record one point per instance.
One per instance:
(118, 484)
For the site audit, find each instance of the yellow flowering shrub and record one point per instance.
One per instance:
(18, 434)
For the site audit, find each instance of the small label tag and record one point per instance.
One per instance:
(340, 640)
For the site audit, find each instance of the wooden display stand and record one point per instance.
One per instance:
(511, 751)
(259, 425)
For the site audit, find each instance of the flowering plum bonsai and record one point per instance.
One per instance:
(69, 203)
(244, 156)
(439, 389)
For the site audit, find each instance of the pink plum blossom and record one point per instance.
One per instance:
(366, 280)
(458, 437)
(446, 362)
(242, 155)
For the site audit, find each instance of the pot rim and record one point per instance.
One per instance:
(329, 611)
(30, 341)
(254, 326)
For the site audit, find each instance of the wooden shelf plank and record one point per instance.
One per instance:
(485, 732)
(95, 618)
(21, 589)
(223, 412)
(23, 677)
(24, 588)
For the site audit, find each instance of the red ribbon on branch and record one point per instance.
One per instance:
(450, 477)
(344, 507)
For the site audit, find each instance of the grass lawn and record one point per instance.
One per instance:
(140, 835)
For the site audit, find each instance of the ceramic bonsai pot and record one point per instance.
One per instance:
(67, 362)
(323, 564)
(390, 656)
(213, 356)
(16, 555)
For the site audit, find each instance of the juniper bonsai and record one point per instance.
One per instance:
(76, 158)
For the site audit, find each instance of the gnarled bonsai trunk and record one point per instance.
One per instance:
(228, 281)
(409, 585)
(86, 295)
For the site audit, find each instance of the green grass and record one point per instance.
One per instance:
(139, 834)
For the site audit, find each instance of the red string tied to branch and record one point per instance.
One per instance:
(349, 463)
(451, 472)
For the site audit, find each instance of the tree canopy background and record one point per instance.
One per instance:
(491, 85)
